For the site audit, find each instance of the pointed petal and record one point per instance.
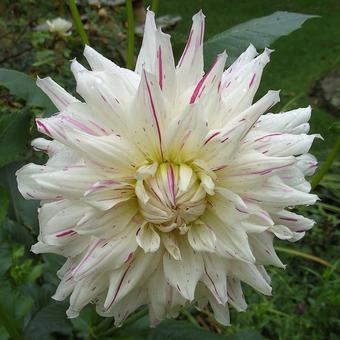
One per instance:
(171, 245)
(147, 55)
(248, 273)
(215, 277)
(148, 238)
(133, 274)
(60, 98)
(263, 249)
(184, 274)
(201, 237)
(190, 66)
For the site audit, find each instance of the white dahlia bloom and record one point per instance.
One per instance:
(60, 26)
(166, 186)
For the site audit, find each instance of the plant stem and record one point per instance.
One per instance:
(103, 325)
(327, 164)
(329, 207)
(77, 22)
(188, 315)
(131, 35)
(154, 6)
(304, 255)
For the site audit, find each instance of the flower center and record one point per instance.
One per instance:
(170, 196)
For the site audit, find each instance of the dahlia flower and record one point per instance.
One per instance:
(166, 186)
(60, 26)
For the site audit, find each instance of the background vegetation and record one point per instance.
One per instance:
(306, 296)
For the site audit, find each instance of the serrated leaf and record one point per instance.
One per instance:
(261, 32)
(23, 86)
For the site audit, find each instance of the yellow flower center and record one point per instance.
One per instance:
(170, 196)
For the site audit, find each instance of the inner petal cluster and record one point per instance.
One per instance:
(170, 196)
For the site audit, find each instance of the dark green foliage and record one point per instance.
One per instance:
(306, 296)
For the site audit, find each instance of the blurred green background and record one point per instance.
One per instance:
(306, 296)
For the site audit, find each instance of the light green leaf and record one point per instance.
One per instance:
(23, 86)
(260, 32)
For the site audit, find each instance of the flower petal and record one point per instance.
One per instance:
(148, 238)
(184, 274)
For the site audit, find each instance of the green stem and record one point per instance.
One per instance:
(103, 325)
(190, 317)
(329, 207)
(131, 35)
(327, 164)
(77, 22)
(154, 6)
(304, 255)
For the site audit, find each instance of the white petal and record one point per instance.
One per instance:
(165, 66)
(164, 299)
(235, 294)
(185, 174)
(201, 237)
(60, 98)
(147, 125)
(146, 171)
(131, 275)
(104, 254)
(231, 242)
(307, 163)
(171, 245)
(148, 238)
(215, 277)
(248, 273)
(295, 222)
(190, 66)
(221, 312)
(84, 291)
(147, 57)
(282, 232)
(184, 274)
(238, 90)
(289, 122)
(42, 182)
(262, 247)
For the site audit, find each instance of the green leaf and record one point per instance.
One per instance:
(5, 258)
(50, 319)
(245, 335)
(173, 330)
(260, 32)
(8, 314)
(4, 203)
(21, 210)
(23, 86)
(14, 136)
